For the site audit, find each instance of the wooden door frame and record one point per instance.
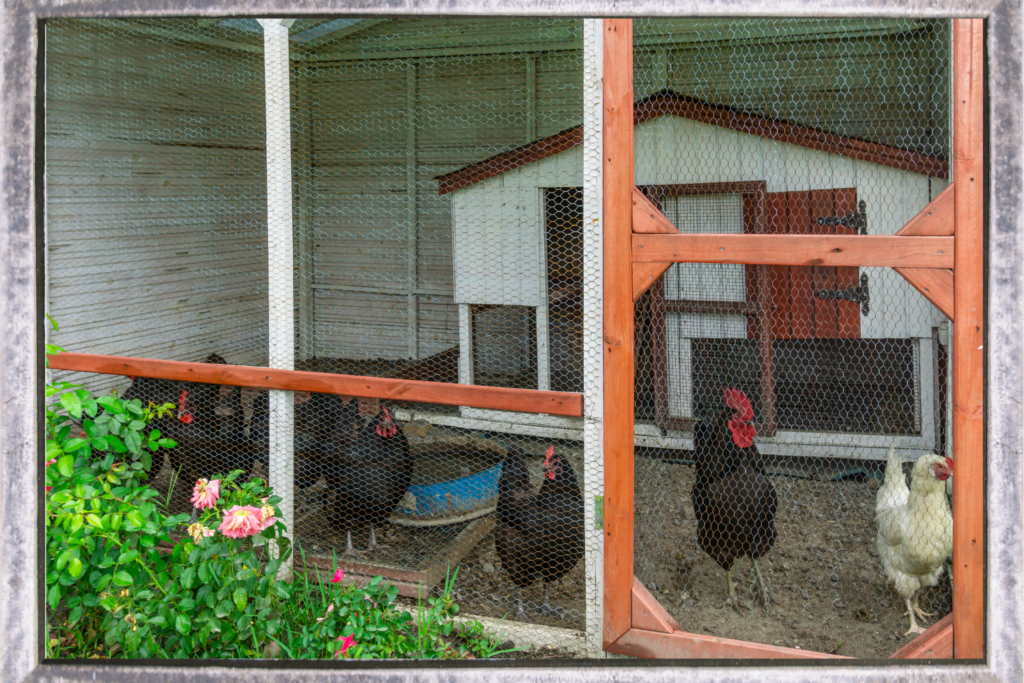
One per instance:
(640, 245)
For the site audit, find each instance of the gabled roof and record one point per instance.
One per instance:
(670, 103)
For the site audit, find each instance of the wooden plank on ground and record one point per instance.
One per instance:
(935, 643)
(678, 645)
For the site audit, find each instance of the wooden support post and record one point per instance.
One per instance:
(618, 327)
(968, 338)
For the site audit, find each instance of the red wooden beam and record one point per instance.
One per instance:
(495, 398)
(796, 250)
(968, 338)
(618, 327)
(935, 643)
(678, 645)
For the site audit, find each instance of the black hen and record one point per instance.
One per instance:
(365, 486)
(323, 425)
(733, 500)
(538, 535)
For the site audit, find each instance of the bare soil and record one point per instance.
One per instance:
(826, 586)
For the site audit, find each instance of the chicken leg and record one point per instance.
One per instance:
(547, 608)
(349, 550)
(760, 583)
(917, 608)
(914, 628)
(520, 612)
(373, 540)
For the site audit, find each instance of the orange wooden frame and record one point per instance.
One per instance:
(940, 252)
(495, 398)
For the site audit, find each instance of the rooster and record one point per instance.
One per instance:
(365, 485)
(538, 535)
(915, 527)
(734, 503)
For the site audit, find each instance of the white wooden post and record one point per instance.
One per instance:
(593, 328)
(280, 264)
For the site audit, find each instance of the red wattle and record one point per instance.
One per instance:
(742, 433)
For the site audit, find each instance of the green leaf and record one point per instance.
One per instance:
(135, 518)
(74, 444)
(109, 602)
(128, 556)
(167, 443)
(75, 567)
(242, 622)
(53, 449)
(154, 435)
(115, 443)
(66, 465)
(187, 577)
(123, 578)
(111, 403)
(240, 599)
(100, 443)
(134, 407)
(133, 440)
(182, 624)
(188, 604)
(146, 460)
(75, 615)
(72, 403)
(53, 596)
(136, 425)
(90, 407)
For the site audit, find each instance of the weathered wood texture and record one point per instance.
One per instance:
(796, 250)
(968, 339)
(618, 327)
(495, 398)
(679, 645)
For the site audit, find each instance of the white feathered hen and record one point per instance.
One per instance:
(915, 527)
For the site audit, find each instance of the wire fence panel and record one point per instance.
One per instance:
(443, 225)
(779, 403)
(429, 235)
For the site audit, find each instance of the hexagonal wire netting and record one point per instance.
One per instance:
(445, 224)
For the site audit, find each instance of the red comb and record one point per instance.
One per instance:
(949, 463)
(738, 401)
(184, 416)
(547, 456)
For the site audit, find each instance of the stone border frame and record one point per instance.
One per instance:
(20, 356)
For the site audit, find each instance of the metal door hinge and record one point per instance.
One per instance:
(598, 512)
(858, 220)
(859, 295)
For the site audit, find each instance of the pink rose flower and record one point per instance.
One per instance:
(267, 515)
(206, 493)
(197, 531)
(338, 576)
(51, 462)
(241, 521)
(346, 643)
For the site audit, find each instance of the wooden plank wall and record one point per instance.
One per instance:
(156, 228)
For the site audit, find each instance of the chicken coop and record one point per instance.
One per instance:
(646, 326)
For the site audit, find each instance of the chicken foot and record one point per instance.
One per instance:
(373, 540)
(547, 608)
(732, 600)
(920, 612)
(914, 628)
(349, 550)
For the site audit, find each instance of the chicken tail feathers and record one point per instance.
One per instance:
(894, 491)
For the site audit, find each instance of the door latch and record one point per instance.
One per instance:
(858, 220)
(858, 295)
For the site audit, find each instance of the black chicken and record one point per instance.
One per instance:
(323, 425)
(365, 486)
(538, 535)
(733, 500)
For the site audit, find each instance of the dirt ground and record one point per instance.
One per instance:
(827, 590)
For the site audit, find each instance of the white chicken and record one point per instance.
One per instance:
(915, 527)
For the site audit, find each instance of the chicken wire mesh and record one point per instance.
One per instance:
(343, 196)
(444, 213)
(780, 403)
